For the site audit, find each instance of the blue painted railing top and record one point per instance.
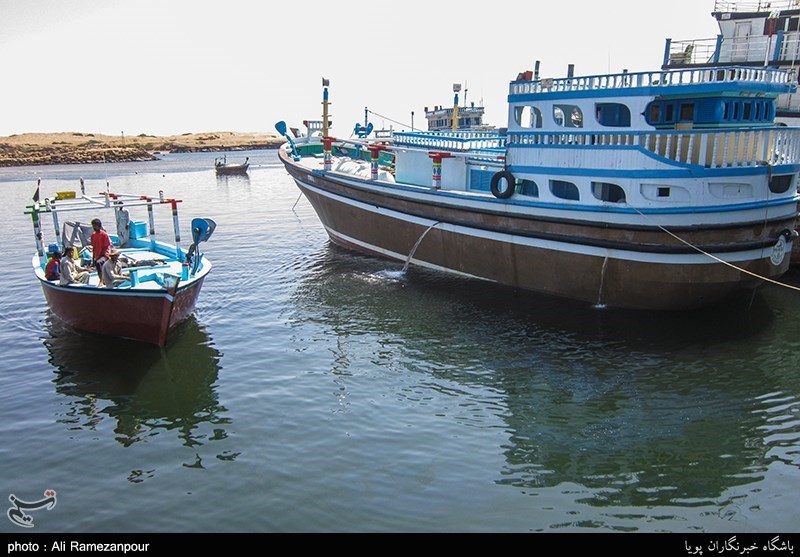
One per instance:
(782, 79)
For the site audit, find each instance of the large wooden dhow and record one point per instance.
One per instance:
(658, 190)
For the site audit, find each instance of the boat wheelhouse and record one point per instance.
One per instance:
(632, 190)
(457, 117)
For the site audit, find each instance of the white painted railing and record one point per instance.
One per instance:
(730, 6)
(711, 149)
(451, 140)
(652, 79)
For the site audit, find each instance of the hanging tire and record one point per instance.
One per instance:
(495, 185)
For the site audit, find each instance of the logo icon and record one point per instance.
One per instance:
(17, 514)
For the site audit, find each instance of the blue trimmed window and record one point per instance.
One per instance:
(567, 116)
(615, 115)
(564, 190)
(605, 191)
(528, 116)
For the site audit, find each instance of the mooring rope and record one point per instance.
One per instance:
(718, 260)
(385, 118)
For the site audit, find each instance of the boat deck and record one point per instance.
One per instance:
(148, 270)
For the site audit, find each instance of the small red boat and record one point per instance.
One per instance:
(163, 281)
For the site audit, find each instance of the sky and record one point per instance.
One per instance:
(168, 67)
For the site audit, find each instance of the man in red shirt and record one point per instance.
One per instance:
(101, 245)
(53, 269)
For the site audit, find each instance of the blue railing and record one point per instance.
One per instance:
(627, 80)
(711, 149)
(452, 140)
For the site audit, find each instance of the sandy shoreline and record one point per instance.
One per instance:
(76, 147)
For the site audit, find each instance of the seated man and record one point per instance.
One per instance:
(71, 271)
(110, 273)
(53, 269)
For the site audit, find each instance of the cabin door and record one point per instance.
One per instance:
(741, 44)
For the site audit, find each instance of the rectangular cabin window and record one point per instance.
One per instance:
(669, 113)
(793, 21)
(758, 111)
(663, 192)
(727, 114)
(687, 112)
(655, 113)
(748, 111)
(736, 110)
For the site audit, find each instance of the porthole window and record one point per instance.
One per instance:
(605, 191)
(528, 187)
(528, 116)
(564, 190)
(567, 116)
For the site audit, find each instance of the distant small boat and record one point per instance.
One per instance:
(222, 167)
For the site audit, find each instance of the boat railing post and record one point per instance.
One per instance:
(176, 224)
(152, 222)
(436, 180)
(375, 152)
(37, 233)
(56, 224)
(327, 147)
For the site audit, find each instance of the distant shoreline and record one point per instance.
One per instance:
(36, 149)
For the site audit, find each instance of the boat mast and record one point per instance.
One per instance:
(325, 103)
(456, 89)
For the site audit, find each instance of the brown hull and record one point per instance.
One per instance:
(506, 257)
(147, 317)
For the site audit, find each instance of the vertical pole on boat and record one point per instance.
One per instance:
(176, 224)
(37, 233)
(55, 224)
(456, 89)
(325, 103)
(536, 71)
(437, 168)
(375, 151)
(327, 146)
(152, 223)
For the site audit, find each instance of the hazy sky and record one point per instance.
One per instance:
(166, 67)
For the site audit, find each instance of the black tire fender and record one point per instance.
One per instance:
(495, 185)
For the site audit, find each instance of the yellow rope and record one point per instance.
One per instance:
(718, 260)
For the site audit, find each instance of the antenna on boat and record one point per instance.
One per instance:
(536, 71)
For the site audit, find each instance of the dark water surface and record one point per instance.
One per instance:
(315, 390)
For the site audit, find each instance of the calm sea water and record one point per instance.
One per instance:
(315, 390)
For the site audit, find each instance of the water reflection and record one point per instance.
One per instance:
(633, 408)
(146, 389)
(233, 179)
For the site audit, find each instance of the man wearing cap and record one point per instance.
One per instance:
(101, 245)
(110, 273)
(53, 269)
